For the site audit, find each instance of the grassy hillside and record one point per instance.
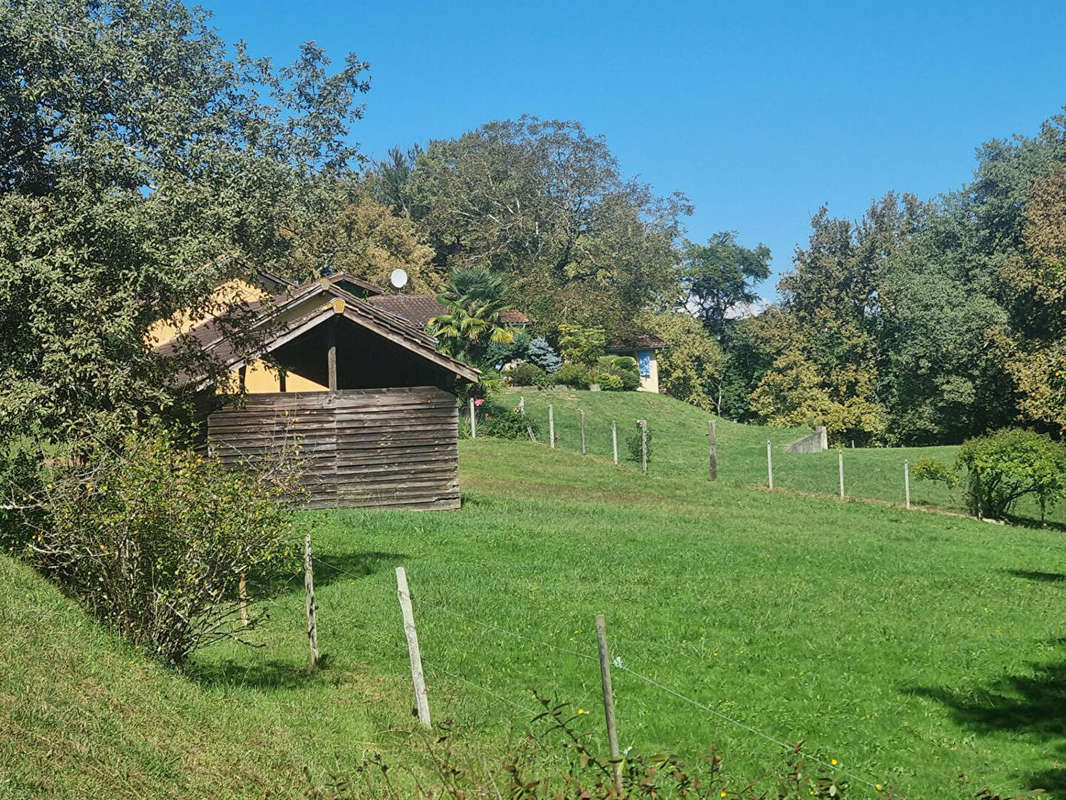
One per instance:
(82, 715)
(679, 436)
(921, 651)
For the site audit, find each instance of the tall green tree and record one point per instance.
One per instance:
(690, 367)
(139, 167)
(721, 277)
(545, 204)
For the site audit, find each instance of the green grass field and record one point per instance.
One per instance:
(679, 437)
(921, 651)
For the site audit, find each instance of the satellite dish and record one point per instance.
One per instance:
(398, 278)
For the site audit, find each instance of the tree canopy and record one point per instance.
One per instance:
(140, 166)
(544, 203)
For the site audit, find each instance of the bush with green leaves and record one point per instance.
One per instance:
(499, 354)
(506, 423)
(543, 355)
(932, 469)
(609, 382)
(633, 444)
(527, 375)
(154, 538)
(623, 367)
(576, 376)
(1009, 464)
(581, 344)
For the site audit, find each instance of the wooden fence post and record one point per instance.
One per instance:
(840, 469)
(907, 482)
(551, 427)
(309, 589)
(769, 465)
(242, 595)
(582, 433)
(614, 440)
(417, 678)
(712, 450)
(608, 701)
(473, 419)
(643, 423)
(521, 404)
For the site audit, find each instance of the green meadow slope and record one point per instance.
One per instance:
(679, 437)
(920, 651)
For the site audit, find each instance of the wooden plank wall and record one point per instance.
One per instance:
(393, 448)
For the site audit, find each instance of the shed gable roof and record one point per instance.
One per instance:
(297, 311)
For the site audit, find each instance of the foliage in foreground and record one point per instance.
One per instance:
(506, 423)
(586, 774)
(154, 538)
(582, 772)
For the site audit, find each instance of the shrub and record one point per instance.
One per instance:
(1009, 464)
(623, 367)
(542, 354)
(609, 382)
(527, 375)
(499, 354)
(633, 445)
(931, 469)
(580, 344)
(154, 538)
(506, 423)
(575, 375)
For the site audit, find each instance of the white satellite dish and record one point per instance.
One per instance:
(398, 278)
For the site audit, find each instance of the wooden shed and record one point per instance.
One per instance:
(368, 399)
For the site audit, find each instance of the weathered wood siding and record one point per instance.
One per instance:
(395, 448)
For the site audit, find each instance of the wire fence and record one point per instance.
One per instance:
(618, 663)
(878, 475)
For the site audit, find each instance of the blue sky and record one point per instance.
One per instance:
(759, 112)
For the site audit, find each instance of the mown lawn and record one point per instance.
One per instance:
(921, 651)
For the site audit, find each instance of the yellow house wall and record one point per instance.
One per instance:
(235, 291)
(260, 378)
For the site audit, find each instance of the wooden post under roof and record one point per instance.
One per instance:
(331, 353)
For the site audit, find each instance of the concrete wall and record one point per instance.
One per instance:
(816, 442)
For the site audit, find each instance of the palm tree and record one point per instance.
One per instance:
(473, 319)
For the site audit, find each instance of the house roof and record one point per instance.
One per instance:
(642, 341)
(419, 309)
(297, 311)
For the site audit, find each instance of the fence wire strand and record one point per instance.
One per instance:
(618, 664)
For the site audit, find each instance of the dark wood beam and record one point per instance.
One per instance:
(331, 353)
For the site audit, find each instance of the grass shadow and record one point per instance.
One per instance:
(328, 568)
(265, 675)
(1035, 575)
(1031, 705)
(1020, 521)
(334, 567)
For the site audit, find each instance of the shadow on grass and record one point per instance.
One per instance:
(329, 568)
(268, 675)
(1031, 705)
(1031, 522)
(334, 567)
(1034, 575)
